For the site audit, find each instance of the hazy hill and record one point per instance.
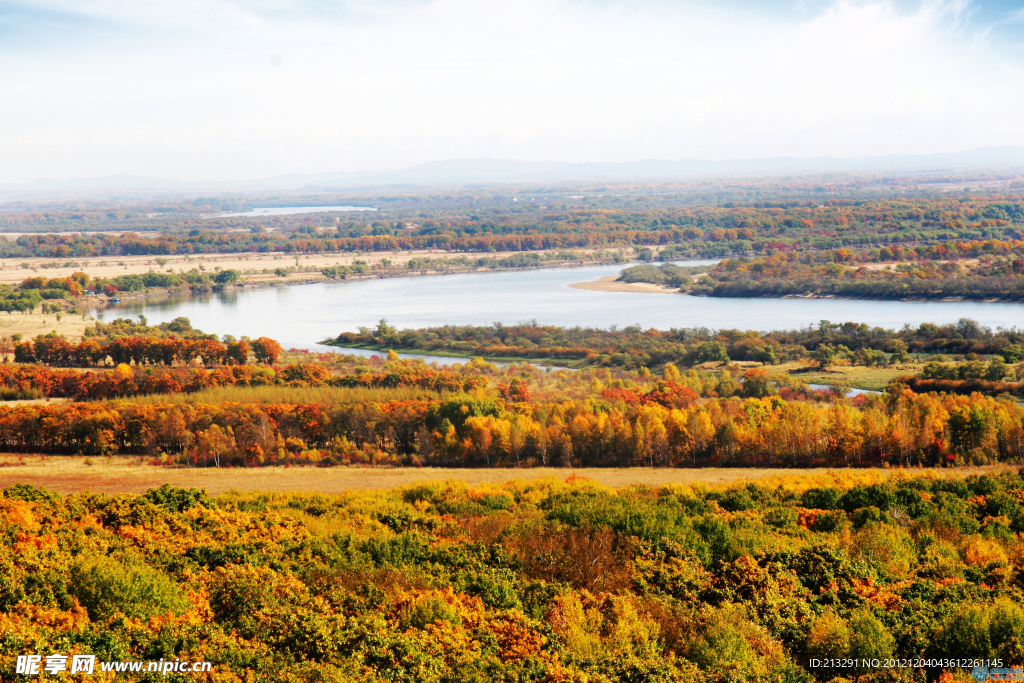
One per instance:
(472, 171)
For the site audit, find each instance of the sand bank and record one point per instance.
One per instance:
(610, 283)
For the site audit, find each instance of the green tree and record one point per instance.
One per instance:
(869, 639)
(824, 355)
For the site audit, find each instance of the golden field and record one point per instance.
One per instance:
(135, 475)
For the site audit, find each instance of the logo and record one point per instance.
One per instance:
(54, 664)
(980, 673)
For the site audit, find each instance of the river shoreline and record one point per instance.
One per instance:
(99, 301)
(611, 283)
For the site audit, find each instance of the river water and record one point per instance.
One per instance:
(291, 211)
(299, 316)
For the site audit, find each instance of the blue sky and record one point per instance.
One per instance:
(230, 89)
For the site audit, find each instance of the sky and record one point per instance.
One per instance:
(240, 89)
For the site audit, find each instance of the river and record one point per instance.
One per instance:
(299, 316)
(290, 211)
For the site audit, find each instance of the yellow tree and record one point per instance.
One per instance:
(215, 442)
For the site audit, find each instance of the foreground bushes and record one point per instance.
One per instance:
(527, 581)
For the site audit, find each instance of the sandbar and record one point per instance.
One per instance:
(610, 283)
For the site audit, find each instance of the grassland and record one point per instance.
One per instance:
(136, 475)
(29, 325)
(856, 376)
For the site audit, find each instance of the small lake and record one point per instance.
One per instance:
(299, 316)
(291, 211)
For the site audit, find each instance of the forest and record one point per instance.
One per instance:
(972, 270)
(152, 396)
(857, 245)
(711, 229)
(853, 576)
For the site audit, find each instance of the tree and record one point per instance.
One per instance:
(707, 352)
(824, 355)
(215, 442)
(226, 277)
(869, 639)
(238, 352)
(266, 350)
(756, 383)
(766, 355)
(899, 350)
(829, 637)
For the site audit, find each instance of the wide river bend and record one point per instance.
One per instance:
(299, 316)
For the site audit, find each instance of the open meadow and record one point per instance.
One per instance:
(135, 475)
(856, 376)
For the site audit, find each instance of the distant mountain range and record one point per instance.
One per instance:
(475, 171)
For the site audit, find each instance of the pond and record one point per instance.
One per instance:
(299, 316)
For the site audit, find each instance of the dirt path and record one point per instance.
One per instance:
(124, 475)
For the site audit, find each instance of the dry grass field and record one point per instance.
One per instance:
(256, 267)
(132, 475)
(29, 325)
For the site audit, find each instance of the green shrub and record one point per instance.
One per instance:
(821, 499)
(869, 515)
(781, 518)
(30, 493)
(828, 522)
(107, 587)
(428, 609)
(869, 638)
(177, 499)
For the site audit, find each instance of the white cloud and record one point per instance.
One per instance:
(220, 89)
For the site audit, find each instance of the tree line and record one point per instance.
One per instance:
(936, 271)
(35, 381)
(143, 350)
(705, 230)
(665, 426)
(634, 348)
